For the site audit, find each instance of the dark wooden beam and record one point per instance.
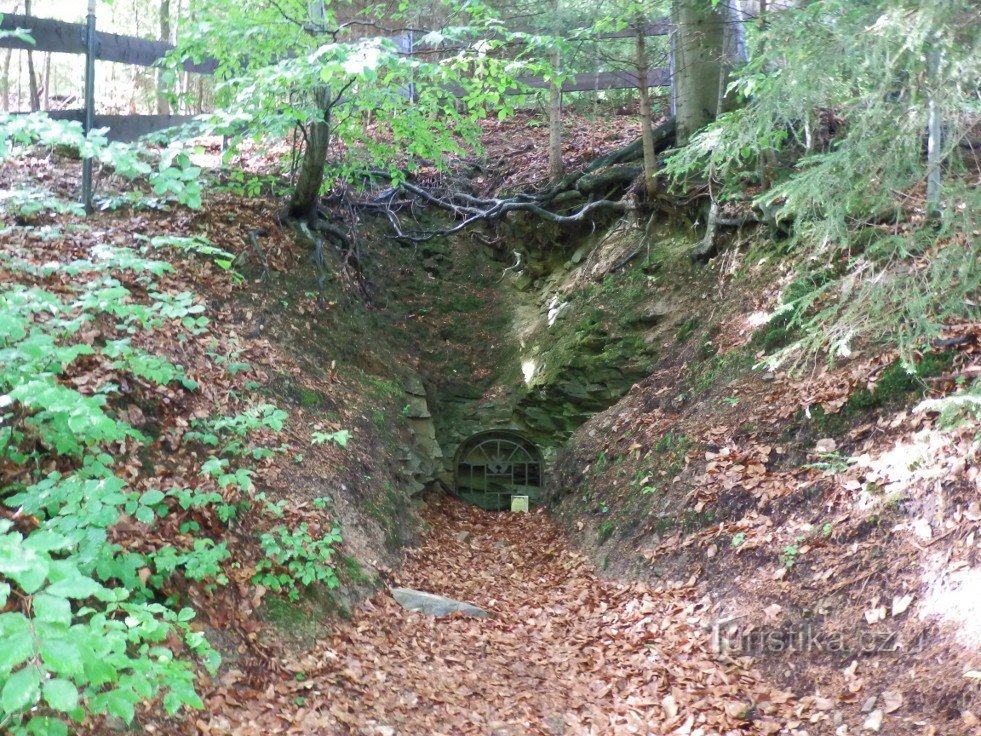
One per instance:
(69, 38)
(125, 128)
(592, 81)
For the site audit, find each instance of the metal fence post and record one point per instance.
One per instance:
(89, 121)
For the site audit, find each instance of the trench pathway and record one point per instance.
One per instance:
(563, 653)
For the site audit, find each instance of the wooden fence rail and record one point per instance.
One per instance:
(57, 36)
(69, 38)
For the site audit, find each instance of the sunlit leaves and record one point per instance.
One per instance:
(173, 177)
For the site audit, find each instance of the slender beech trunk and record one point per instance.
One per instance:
(47, 81)
(646, 133)
(5, 77)
(734, 52)
(163, 104)
(556, 166)
(31, 76)
(5, 80)
(934, 136)
(768, 158)
(306, 194)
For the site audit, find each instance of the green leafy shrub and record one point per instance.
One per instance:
(687, 328)
(174, 178)
(961, 407)
(201, 246)
(294, 557)
(82, 632)
(835, 155)
(341, 437)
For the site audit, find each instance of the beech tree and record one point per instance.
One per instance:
(336, 75)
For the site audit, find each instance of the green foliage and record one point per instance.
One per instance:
(687, 328)
(201, 246)
(249, 185)
(788, 557)
(341, 437)
(719, 370)
(82, 632)
(82, 647)
(172, 177)
(357, 85)
(296, 558)
(897, 382)
(831, 463)
(961, 407)
(836, 102)
(26, 204)
(605, 531)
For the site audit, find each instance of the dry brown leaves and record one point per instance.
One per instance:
(565, 652)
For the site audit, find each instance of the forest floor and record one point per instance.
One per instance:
(564, 652)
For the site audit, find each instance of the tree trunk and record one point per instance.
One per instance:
(646, 133)
(934, 138)
(734, 52)
(47, 81)
(768, 158)
(699, 74)
(5, 77)
(555, 164)
(306, 194)
(31, 76)
(163, 104)
(5, 80)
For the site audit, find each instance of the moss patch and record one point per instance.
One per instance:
(894, 388)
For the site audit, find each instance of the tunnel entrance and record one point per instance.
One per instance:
(493, 466)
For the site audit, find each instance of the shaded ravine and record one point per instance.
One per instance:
(564, 652)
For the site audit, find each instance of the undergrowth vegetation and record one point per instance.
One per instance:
(92, 618)
(168, 172)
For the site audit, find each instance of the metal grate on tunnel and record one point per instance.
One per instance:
(491, 467)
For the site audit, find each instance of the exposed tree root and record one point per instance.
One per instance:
(602, 184)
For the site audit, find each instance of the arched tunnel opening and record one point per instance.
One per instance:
(491, 467)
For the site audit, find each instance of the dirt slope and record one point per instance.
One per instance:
(828, 521)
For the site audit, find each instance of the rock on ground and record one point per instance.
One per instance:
(434, 605)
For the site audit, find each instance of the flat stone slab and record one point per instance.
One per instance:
(434, 605)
